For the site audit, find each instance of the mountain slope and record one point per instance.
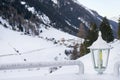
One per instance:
(115, 18)
(17, 47)
(66, 15)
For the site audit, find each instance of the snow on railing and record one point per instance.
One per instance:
(117, 69)
(43, 64)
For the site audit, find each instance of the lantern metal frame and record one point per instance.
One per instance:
(99, 55)
(100, 59)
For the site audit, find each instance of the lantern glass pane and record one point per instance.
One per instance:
(100, 59)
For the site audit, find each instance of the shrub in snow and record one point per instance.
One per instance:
(36, 32)
(59, 53)
(55, 42)
(52, 69)
(84, 48)
(20, 28)
(5, 26)
(68, 52)
(74, 54)
(56, 58)
(40, 37)
(41, 31)
(25, 59)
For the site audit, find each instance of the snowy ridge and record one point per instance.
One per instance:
(77, 1)
(116, 18)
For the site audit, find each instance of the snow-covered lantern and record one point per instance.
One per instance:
(100, 54)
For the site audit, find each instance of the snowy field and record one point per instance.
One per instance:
(18, 48)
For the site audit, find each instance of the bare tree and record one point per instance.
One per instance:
(82, 33)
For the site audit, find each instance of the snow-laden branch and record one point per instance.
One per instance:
(43, 64)
(117, 68)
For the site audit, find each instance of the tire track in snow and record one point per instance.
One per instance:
(27, 52)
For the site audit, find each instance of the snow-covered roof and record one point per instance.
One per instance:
(100, 43)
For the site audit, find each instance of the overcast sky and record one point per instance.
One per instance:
(108, 8)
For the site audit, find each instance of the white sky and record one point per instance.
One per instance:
(109, 8)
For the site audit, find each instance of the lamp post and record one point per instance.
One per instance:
(100, 54)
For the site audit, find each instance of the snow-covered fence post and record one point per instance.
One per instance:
(43, 64)
(117, 69)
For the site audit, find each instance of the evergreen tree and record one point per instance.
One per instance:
(74, 53)
(118, 29)
(106, 30)
(91, 37)
(92, 33)
(82, 50)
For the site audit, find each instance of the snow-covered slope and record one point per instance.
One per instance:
(17, 47)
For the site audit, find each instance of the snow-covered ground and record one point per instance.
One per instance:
(16, 48)
(31, 48)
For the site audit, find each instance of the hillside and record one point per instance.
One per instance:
(29, 16)
(49, 42)
(19, 48)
